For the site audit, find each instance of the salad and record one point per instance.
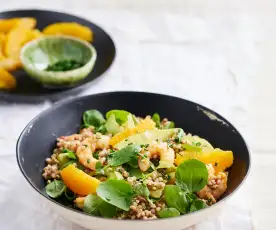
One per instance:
(127, 167)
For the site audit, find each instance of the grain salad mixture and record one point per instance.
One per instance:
(127, 167)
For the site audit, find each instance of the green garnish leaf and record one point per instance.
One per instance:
(156, 119)
(169, 125)
(141, 190)
(197, 205)
(116, 192)
(69, 194)
(107, 210)
(69, 154)
(179, 136)
(92, 204)
(93, 118)
(168, 212)
(176, 198)
(135, 172)
(124, 155)
(55, 188)
(191, 175)
(62, 166)
(121, 116)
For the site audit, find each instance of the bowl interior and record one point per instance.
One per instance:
(47, 51)
(39, 137)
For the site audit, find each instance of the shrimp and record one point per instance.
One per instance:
(88, 146)
(160, 149)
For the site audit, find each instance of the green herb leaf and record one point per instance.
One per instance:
(191, 148)
(176, 198)
(116, 192)
(93, 117)
(69, 154)
(141, 190)
(197, 205)
(55, 188)
(64, 65)
(124, 155)
(156, 118)
(62, 166)
(135, 172)
(120, 115)
(191, 175)
(169, 125)
(102, 129)
(107, 210)
(92, 204)
(69, 194)
(133, 162)
(168, 212)
(179, 136)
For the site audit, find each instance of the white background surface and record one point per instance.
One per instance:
(218, 53)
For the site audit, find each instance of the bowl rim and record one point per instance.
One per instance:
(68, 101)
(57, 74)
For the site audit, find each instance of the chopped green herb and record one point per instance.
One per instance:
(88, 161)
(216, 163)
(64, 65)
(198, 144)
(85, 146)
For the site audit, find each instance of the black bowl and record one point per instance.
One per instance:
(39, 137)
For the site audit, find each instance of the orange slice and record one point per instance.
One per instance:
(146, 124)
(10, 64)
(71, 29)
(26, 23)
(221, 160)
(78, 181)
(7, 24)
(16, 38)
(7, 81)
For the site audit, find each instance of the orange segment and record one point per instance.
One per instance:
(2, 42)
(26, 23)
(146, 124)
(16, 38)
(221, 160)
(7, 24)
(78, 181)
(71, 29)
(7, 81)
(10, 64)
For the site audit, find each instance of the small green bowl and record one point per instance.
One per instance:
(37, 55)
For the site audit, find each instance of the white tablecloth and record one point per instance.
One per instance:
(218, 53)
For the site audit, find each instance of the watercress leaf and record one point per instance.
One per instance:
(65, 164)
(133, 162)
(135, 172)
(141, 190)
(93, 117)
(92, 204)
(191, 175)
(197, 205)
(120, 115)
(179, 136)
(69, 194)
(69, 154)
(107, 210)
(124, 155)
(176, 198)
(168, 212)
(191, 148)
(116, 192)
(102, 129)
(169, 125)
(55, 188)
(156, 118)
(98, 166)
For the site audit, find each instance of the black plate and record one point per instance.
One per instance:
(39, 137)
(28, 90)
